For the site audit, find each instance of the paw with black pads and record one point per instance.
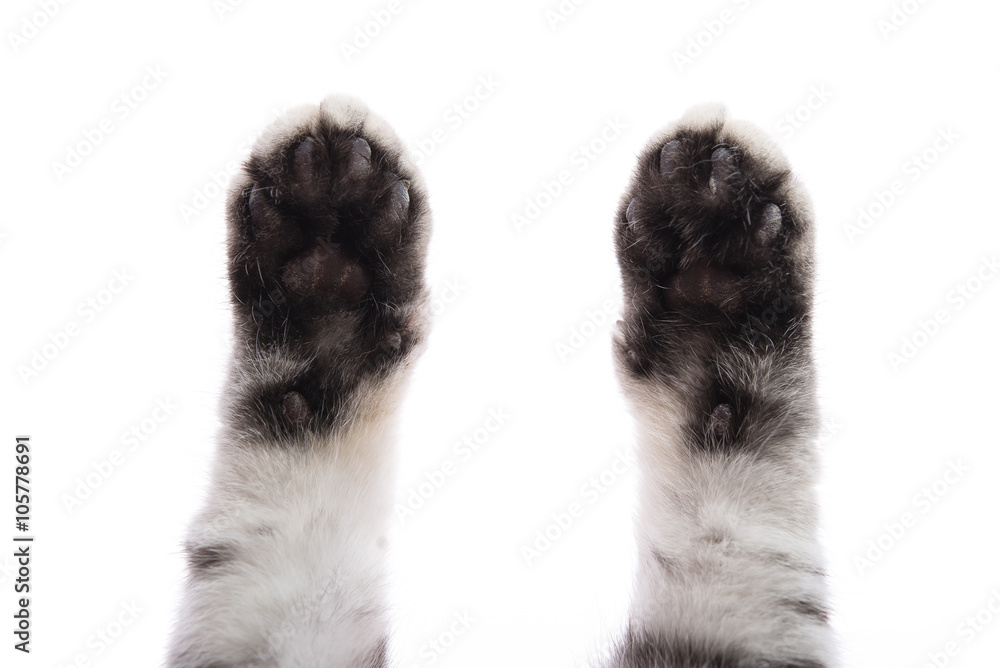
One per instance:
(714, 241)
(328, 232)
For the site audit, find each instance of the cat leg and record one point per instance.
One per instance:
(715, 243)
(328, 229)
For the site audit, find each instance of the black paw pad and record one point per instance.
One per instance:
(399, 199)
(392, 341)
(309, 182)
(295, 409)
(767, 225)
(326, 268)
(725, 174)
(704, 285)
(671, 157)
(630, 211)
(361, 156)
(720, 423)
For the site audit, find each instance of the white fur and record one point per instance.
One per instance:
(740, 533)
(307, 522)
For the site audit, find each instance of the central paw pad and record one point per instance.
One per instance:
(326, 268)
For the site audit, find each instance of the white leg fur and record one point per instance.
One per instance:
(727, 543)
(301, 529)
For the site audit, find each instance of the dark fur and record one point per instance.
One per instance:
(307, 203)
(808, 608)
(379, 656)
(711, 280)
(649, 651)
(203, 559)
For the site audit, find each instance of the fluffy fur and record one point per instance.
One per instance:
(714, 242)
(328, 227)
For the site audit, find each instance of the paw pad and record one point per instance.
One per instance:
(304, 158)
(296, 409)
(768, 225)
(361, 155)
(308, 183)
(630, 212)
(326, 268)
(704, 285)
(720, 422)
(399, 199)
(670, 157)
(725, 172)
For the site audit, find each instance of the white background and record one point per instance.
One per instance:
(891, 430)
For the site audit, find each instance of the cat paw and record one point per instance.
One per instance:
(328, 230)
(713, 239)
